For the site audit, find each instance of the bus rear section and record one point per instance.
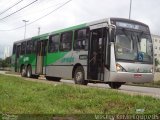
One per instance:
(29, 56)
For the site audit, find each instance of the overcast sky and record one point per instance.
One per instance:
(75, 12)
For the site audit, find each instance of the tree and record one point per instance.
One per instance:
(156, 62)
(1, 63)
(8, 61)
(156, 65)
(5, 63)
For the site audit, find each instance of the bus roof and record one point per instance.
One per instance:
(79, 26)
(69, 28)
(41, 37)
(20, 41)
(106, 20)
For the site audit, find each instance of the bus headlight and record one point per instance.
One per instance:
(119, 68)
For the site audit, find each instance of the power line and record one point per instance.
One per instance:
(38, 11)
(18, 10)
(11, 7)
(32, 12)
(50, 12)
(41, 17)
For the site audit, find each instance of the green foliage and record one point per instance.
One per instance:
(5, 63)
(156, 62)
(155, 84)
(19, 96)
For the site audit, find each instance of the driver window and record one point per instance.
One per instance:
(124, 44)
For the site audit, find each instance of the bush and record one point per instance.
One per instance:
(5, 63)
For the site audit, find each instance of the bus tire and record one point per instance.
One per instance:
(79, 76)
(29, 72)
(23, 71)
(115, 85)
(57, 79)
(35, 76)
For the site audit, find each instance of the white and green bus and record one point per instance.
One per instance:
(112, 51)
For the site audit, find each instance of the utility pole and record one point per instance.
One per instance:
(39, 29)
(130, 9)
(25, 22)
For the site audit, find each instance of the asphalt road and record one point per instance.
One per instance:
(133, 90)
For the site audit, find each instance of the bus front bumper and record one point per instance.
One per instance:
(131, 77)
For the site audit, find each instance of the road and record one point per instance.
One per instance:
(133, 90)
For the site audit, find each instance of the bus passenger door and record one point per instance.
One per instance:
(96, 54)
(41, 56)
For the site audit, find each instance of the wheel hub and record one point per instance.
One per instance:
(28, 74)
(79, 76)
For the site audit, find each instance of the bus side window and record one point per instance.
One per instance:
(34, 50)
(81, 39)
(14, 49)
(23, 48)
(66, 41)
(44, 47)
(18, 50)
(53, 43)
(32, 45)
(29, 47)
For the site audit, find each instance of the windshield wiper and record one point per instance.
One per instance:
(130, 38)
(139, 36)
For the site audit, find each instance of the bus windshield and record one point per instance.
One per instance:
(133, 46)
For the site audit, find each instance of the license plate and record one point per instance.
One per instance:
(137, 75)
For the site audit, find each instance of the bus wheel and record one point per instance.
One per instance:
(29, 72)
(79, 76)
(23, 71)
(57, 79)
(115, 85)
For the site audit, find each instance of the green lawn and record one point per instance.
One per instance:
(18, 96)
(155, 84)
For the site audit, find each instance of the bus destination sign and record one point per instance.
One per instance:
(131, 26)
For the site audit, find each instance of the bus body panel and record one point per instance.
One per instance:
(59, 71)
(112, 58)
(135, 72)
(62, 64)
(57, 64)
(131, 77)
(28, 59)
(80, 57)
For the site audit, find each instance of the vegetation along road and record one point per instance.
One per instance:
(133, 90)
(27, 96)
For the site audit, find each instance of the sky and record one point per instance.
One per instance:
(74, 13)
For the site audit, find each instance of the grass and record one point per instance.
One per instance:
(155, 84)
(18, 96)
